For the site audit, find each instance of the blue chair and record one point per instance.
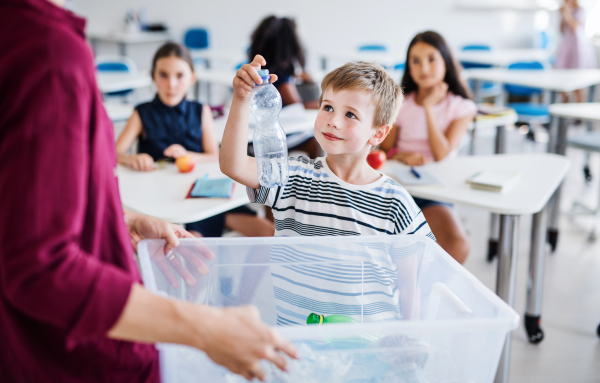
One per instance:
(487, 88)
(195, 39)
(528, 112)
(372, 47)
(400, 66)
(116, 64)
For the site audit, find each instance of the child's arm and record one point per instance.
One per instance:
(132, 131)
(210, 147)
(441, 143)
(233, 158)
(411, 159)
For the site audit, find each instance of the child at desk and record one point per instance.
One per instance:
(170, 126)
(430, 125)
(339, 194)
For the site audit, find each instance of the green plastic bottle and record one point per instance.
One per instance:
(320, 319)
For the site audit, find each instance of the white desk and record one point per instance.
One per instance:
(556, 80)
(118, 111)
(503, 57)
(289, 126)
(124, 39)
(541, 176)
(115, 82)
(588, 112)
(161, 193)
(210, 55)
(384, 58)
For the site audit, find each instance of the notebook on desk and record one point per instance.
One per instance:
(494, 180)
(211, 188)
(406, 177)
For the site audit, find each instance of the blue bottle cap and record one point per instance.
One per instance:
(264, 74)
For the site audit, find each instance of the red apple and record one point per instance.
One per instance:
(376, 159)
(185, 164)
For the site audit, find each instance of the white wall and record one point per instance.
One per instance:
(323, 24)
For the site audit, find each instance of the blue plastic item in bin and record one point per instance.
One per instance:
(443, 325)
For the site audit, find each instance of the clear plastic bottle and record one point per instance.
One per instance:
(270, 146)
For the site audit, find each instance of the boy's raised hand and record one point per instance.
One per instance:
(247, 76)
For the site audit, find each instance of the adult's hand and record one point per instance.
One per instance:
(232, 337)
(146, 227)
(238, 340)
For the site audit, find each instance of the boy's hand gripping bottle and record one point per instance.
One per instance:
(270, 147)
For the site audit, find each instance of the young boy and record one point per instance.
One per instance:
(339, 194)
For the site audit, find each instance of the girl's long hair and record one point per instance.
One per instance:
(452, 77)
(277, 41)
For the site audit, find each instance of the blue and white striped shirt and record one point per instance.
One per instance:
(357, 281)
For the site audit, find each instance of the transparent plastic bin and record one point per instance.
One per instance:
(421, 317)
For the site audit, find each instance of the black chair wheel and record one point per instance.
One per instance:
(587, 174)
(492, 250)
(553, 239)
(535, 334)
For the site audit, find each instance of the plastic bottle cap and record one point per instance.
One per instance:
(264, 74)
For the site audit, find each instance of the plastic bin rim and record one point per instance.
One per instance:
(297, 240)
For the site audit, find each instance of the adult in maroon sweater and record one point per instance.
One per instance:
(70, 300)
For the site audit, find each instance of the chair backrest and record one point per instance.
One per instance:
(523, 90)
(475, 47)
(196, 38)
(238, 66)
(372, 47)
(400, 66)
(115, 64)
(542, 40)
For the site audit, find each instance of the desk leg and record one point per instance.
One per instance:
(535, 278)
(586, 162)
(324, 63)
(477, 84)
(505, 281)
(123, 49)
(554, 204)
(493, 240)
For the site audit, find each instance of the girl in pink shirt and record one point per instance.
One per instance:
(430, 125)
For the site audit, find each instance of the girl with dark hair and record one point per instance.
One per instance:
(170, 126)
(276, 40)
(435, 115)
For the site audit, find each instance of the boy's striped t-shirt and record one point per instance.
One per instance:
(361, 281)
(315, 202)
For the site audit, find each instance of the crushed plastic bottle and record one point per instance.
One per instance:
(270, 146)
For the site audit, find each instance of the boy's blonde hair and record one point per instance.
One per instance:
(372, 78)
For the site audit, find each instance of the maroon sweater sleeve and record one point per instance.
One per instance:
(45, 171)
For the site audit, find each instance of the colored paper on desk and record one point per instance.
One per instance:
(406, 177)
(212, 188)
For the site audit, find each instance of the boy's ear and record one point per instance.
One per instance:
(194, 77)
(380, 133)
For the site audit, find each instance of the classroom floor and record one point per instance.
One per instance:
(570, 351)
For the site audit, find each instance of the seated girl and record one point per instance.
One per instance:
(170, 126)
(430, 125)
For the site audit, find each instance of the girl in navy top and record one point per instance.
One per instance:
(170, 126)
